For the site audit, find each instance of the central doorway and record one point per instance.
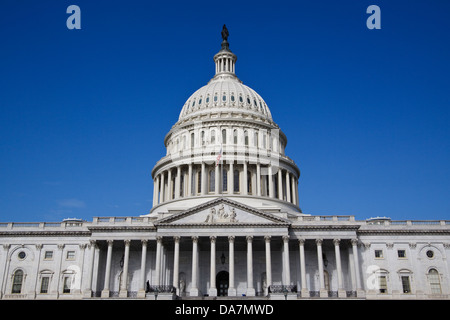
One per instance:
(222, 281)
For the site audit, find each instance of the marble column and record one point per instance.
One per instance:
(189, 187)
(258, 179)
(169, 185)
(286, 267)
(270, 180)
(323, 291)
(88, 290)
(162, 189)
(337, 251)
(141, 291)
(194, 285)
(178, 183)
(231, 288)
(204, 185)
(158, 261)
(288, 188)
(280, 184)
(359, 290)
(176, 264)
(123, 293)
(212, 274)
(245, 179)
(305, 291)
(268, 264)
(105, 292)
(250, 288)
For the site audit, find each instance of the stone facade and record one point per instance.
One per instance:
(225, 221)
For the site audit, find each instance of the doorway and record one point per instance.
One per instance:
(222, 281)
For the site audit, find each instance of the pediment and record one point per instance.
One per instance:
(220, 212)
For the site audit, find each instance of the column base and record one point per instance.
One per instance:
(212, 292)
(250, 292)
(232, 292)
(342, 293)
(323, 293)
(105, 293)
(304, 293)
(141, 294)
(87, 293)
(194, 292)
(360, 293)
(123, 294)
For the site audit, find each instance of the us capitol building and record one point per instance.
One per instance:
(225, 221)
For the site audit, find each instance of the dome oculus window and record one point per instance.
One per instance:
(22, 255)
(430, 254)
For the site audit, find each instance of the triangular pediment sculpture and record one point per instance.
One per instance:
(222, 211)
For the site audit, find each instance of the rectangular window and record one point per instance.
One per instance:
(406, 284)
(48, 255)
(401, 254)
(225, 180)
(70, 255)
(379, 254)
(383, 284)
(44, 284)
(66, 284)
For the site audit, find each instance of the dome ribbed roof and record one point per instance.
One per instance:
(225, 93)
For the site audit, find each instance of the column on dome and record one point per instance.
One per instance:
(231, 178)
(280, 184)
(178, 182)
(270, 179)
(294, 197)
(169, 185)
(189, 187)
(245, 179)
(258, 179)
(203, 179)
(217, 180)
(161, 191)
(288, 189)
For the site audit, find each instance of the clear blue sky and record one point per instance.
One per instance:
(83, 113)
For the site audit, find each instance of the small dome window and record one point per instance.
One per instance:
(207, 99)
(248, 100)
(254, 102)
(232, 97)
(240, 99)
(224, 97)
(193, 103)
(215, 98)
(200, 101)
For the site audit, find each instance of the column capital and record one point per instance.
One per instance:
(110, 242)
(159, 239)
(144, 242)
(38, 246)
(249, 238)
(336, 242)
(60, 246)
(127, 242)
(195, 239)
(301, 241)
(213, 238)
(286, 238)
(319, 242)
(231, 238)
(354, 241)
(267, 238)
(177, 239)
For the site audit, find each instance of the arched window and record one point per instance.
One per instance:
(434, 281)
(235, 137)
(256, 139)
(203, 138)
(212, 180)
(17, 282)
(199, 182)
(213, 136)
(192, 140)
(224, 180)
(246, 137)
(224, 136)
(249, 182)
(236, 181)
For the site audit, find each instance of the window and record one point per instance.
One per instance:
(215, 98)
(44, 284)
(224, 97)
(379, 254)
(224, 136)
(401, 254)
(17, 282)
(212, 180)
(256, 139)
(240, 99)
(48, 255)
(236, 181)
(207, 99)
(203, 138)
(434, 281)
(22, 255)
(235, 139)
(67, 284)
(70, 255)
(430, 254)
(383, 283)
(199, 182)
(225, 180)
(192, 140)
(232, 97)
(246, 137)
(213, 136)
(406, 284)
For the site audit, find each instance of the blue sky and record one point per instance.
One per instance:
(83, 113)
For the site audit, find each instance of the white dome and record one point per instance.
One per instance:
(225, 94)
